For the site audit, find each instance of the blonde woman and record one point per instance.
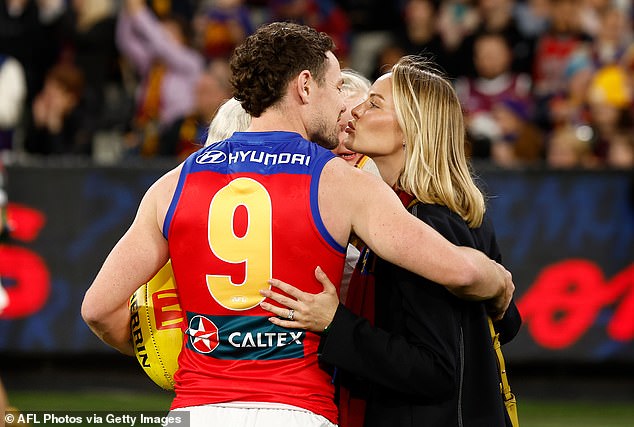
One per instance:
(428, 356)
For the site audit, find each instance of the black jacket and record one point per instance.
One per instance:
(428, 361)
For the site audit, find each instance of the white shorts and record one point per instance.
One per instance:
(251, 414)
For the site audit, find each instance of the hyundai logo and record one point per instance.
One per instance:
(213, 156)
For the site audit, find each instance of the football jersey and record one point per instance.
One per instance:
(245, 210)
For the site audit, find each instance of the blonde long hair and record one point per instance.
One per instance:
(429, 113)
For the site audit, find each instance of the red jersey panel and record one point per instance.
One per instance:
(245, 210)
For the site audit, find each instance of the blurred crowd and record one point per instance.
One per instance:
(542, 82)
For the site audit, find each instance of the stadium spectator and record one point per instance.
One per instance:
(323, 15)
(418, 34)
(42, 33)
(621, 151)
(426, 355)
(372, 23)
(88, 41)
(599, 88)
(220, 26)
(12, 102)
(613, 44)
(590, 12)
(55, 123)
(610, 98)
(165, 9)
(569, 148)
(497, 16)
(4, 224)
(187, 134)
(386, 57)
(168, 67)
(304, 104)
(457, 20)
(553, 51)
(532, 17)
(570, 107)
(495, 81)
(520, 142)
(28, 33)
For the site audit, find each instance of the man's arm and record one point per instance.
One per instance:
(378, 217)
(138, 256)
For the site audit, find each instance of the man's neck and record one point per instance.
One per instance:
(278, 120)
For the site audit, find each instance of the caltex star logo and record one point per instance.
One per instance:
(203, 334)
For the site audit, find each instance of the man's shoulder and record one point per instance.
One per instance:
(166, 184)
(338, 168)
(350, 184)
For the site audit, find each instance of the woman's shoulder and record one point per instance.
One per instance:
(456, 230)
(439, 216)
(449, 224)
(433, 212)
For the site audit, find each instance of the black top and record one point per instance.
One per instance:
(429, 360)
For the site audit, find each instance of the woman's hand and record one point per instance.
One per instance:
(313, 312)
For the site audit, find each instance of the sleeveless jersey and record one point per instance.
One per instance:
(245, 210)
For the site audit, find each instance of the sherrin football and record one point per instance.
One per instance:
(155, 323)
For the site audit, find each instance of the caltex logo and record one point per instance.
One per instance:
(203, 334)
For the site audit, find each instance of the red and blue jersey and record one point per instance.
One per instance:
(245, 210)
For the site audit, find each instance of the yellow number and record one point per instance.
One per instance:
(253, 249)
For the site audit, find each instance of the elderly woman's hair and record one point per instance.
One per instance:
(229, 118)
(354, 84)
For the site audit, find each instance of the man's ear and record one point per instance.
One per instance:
(304, 81)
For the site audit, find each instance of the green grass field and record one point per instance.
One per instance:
(533, 413)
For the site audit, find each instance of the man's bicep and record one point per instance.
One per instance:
(385, 226)
(143, 249)
(375, 213)
(402, 239)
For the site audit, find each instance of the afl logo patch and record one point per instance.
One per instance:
(212, 156)
(203, 334)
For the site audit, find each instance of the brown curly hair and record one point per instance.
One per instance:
(266, 61)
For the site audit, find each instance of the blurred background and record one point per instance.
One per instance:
(98, 98)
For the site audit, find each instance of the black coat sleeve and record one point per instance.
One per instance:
(407, 364)
(420, 353)
(485, 240)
